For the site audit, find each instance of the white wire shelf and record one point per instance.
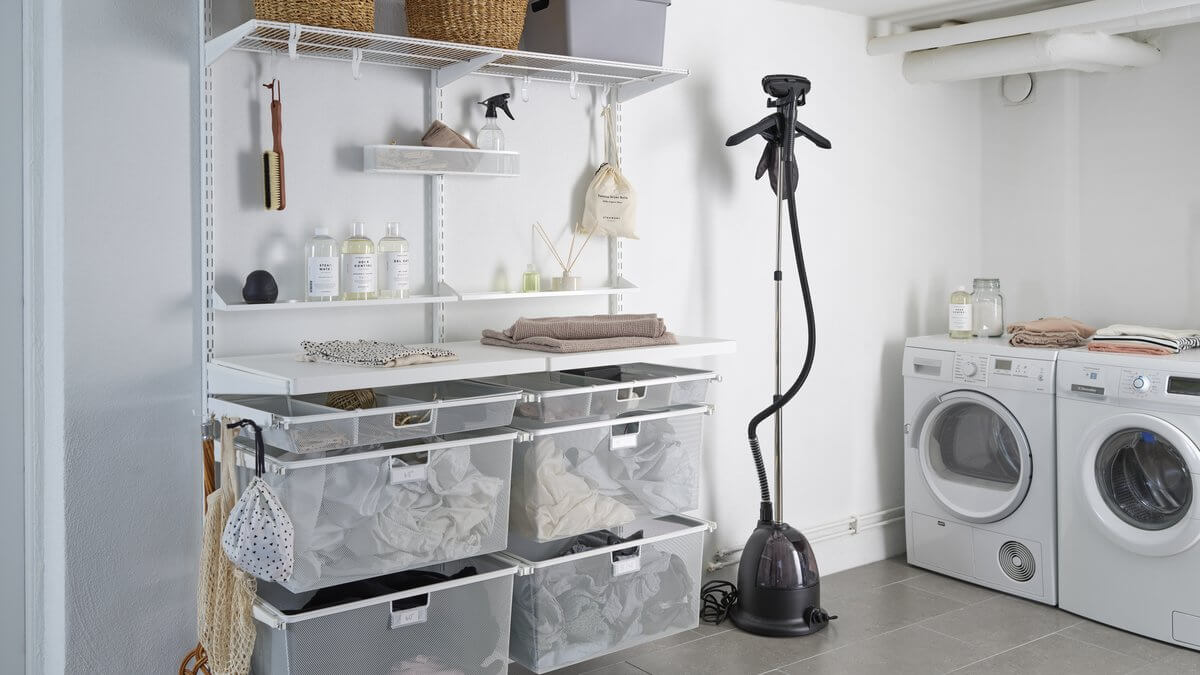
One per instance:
(449, 60)
(447, 294)
(283, 374)
(623, 286)
(422, 160)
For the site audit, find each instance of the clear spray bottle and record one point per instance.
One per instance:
(490, 136)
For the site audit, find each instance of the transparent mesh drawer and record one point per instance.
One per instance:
(452, 626)
(365, 514)
(572, 479)
(645, 386)
(577, 607)
(306, 424)
(551, 397)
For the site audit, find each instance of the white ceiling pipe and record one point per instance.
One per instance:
(1152, 21)
(1089, 52)
(1047, 20)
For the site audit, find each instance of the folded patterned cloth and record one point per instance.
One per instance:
(372, 353)
(570, 334)
(1050, 332)
(1144, 340)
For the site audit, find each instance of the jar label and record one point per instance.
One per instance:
(359, 270)
(322, 276)
(397, 271)
(960, 317)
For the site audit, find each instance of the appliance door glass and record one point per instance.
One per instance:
(975, 457)
(1144, 479)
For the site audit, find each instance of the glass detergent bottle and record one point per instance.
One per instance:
(393, 251)
(321, 267)
(960, 313)
(359, 275)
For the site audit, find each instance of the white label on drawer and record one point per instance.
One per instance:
(623, 566)
(407, 617)
(625, 436)
(404, 473)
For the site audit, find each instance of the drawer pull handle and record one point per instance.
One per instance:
(626, 436)
(410, 611)
(626, 561)
(631, 394)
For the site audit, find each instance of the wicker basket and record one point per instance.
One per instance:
(345, 14)
(490, 23)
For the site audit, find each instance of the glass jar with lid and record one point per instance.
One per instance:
(987, 308)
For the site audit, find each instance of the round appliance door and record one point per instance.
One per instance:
(1140, 483)
(975, 457)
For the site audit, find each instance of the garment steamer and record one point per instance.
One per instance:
(779, 587)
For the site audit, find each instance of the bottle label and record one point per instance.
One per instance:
(960, 318)
(359, 270)
(322, 276)
(397, 271)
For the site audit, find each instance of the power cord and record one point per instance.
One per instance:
(716, 599)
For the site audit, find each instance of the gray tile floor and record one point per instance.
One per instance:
(901, 620)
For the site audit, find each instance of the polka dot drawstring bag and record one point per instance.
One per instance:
(259, 538)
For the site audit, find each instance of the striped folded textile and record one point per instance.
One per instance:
(1127, 339)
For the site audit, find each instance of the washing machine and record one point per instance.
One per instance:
(979, 488)
(1128, 476)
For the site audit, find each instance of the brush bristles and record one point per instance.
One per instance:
(273, 181)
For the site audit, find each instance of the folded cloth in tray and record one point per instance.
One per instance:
(1050, 332)
(594, 540)
(572, 334)
(372, 353)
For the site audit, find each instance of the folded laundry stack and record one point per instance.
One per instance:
(570, 334)
(1125, 339)
(1050, 333)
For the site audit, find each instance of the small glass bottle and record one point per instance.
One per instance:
(359, 277)
(960, 313)
(321, 267)
(987, 308)
(531, 281)
(393, 249)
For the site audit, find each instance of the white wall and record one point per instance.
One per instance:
(12, 399)
(890, 221)
(1090, 205)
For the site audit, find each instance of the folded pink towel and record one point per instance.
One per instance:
(1053, 333)
(1130, 348)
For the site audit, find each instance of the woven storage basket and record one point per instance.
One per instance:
(345, 14)
(490, 23)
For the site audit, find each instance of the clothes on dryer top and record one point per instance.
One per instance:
(1050, 332)
(352, 522)
(569, 612)
(1127, 339)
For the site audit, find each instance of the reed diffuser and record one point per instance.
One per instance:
(565, 282)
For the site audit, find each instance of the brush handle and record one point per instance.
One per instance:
(277, 135)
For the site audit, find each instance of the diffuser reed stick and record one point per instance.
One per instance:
(566, 282)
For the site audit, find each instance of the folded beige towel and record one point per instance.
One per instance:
(1131, 348)
(1051, 332)
(570, 334)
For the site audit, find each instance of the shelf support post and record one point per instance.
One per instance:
(455, 71)
(435, 216)
(616, 249)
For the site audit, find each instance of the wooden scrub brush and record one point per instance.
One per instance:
(273, 159)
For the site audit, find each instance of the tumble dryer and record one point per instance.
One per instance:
(979, 488)
(1128, 476)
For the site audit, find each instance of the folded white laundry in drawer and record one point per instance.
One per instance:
(572, 479)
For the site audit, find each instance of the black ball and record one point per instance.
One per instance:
(260, 288)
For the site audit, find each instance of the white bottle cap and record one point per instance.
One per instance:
(358, 229)
(393, 229)
(321, 231)
(530, 268)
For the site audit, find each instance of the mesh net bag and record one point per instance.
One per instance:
(226, 594)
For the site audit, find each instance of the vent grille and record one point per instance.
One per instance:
(1017, 561)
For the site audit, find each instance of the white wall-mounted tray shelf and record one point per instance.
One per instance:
(450, 61)
(283, 374)
(425, 161)
(220, 305)
(623, 286)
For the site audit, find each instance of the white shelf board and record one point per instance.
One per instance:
(623, 286)
(449, 60)
(426, 161)
(220, 305)
(283, 374)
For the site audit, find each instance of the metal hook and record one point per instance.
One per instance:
(574, 83)
(525, 88)
(605, 92)
(293, 40)
(356, 56)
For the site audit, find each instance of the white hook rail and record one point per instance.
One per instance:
(356, 57)
(574, 86)
(525, 82)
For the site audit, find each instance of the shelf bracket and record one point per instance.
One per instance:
(293, 41)
(455, 71)
(356, 56)
(631, 90)
(216, 47)
(525, 88)
(574, 86)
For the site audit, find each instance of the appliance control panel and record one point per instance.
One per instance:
(1140, 384)
(971, 369)
(1004, 372)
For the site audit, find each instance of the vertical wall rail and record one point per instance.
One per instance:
(435, 219)
(616, 249)
(207, 204)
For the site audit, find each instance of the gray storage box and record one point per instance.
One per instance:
(629, 31)
(570, 608)
(458, 625)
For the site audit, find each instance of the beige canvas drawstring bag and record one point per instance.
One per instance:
(226, 594)
(610, 203)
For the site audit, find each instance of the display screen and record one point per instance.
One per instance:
(1003, 364)
(1186, 386)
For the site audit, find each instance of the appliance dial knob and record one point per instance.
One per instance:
(970, 369)
(1141, 383)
